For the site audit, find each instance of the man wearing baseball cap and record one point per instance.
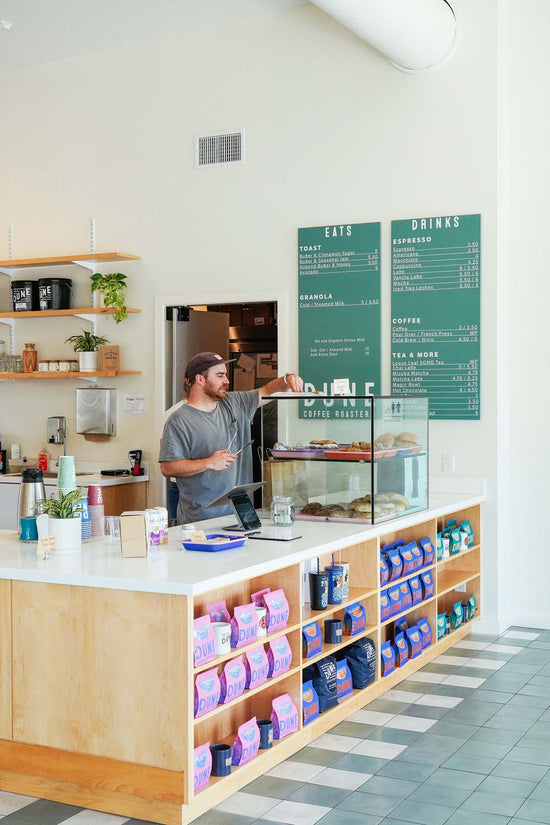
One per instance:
(202, 440)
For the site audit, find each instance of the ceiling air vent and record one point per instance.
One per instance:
(221, 147)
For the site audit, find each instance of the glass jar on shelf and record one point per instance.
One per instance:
(30, 358)
(281, 510)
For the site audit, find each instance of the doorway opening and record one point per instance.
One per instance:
(246, 332)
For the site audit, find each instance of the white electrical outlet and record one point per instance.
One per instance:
(460, 588)
(448, 463)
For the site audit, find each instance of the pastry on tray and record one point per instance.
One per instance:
(358, 447)
(335, 510)
(406, 439)
(324, 443)
(312, 508)
(384, 442)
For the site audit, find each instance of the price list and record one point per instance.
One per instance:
(435, 329)
(339, 306)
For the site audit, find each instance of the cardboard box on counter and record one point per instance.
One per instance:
(133, 534)
(109, 358)
(256, 315)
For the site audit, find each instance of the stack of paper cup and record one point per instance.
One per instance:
(97, 510)
(66, 476)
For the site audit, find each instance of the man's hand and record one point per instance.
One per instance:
(220, 460)
(294, 381)
(185, 467)
(290, 382)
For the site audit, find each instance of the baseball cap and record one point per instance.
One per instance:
(202, 362)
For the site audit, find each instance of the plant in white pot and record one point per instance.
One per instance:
(64, 520)
(112, 288)
(87, 345)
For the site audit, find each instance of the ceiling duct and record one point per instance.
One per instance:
(415, 35)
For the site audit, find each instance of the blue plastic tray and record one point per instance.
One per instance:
(234, 541)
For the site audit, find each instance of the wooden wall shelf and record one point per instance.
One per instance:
(88, 261)
(56, 313)
(55, 374)
(67, 260)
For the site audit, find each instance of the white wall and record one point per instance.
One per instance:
(524, 400)
(334, 133)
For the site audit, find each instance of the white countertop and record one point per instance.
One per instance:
(82, 479)
(171, 569)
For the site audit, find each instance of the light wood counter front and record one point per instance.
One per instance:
(96, 658)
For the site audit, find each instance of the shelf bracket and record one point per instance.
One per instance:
(9, 272)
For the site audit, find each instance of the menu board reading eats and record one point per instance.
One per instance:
(339, 306)
(436, 313)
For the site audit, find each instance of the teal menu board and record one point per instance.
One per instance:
(435, 325)
(339, 306)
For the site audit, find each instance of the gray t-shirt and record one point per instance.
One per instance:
(190, 433)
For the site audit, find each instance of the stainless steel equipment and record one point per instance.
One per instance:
(96, 411)
(57, 430)
(31, 491)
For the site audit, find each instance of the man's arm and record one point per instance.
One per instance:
(185, 467)
(288, 381)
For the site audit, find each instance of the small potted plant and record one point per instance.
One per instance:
(64, 520)
(112, 287)
(87, 345)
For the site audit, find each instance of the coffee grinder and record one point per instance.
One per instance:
(135, 460)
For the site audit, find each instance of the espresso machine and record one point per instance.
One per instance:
(135, 460)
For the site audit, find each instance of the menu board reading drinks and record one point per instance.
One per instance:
(339, 306)
(435, 329)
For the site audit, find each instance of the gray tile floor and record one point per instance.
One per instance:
(464, 741)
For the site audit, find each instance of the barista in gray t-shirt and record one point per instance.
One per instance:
(202, 439)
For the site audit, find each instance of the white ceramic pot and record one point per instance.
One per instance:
(68, 534)
(98, 301)
(87, 361)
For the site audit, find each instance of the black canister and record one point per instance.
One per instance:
(333, 631)
(24, 296)
(54, 293)
(221, 759)
(266, 733)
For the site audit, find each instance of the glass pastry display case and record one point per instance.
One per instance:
(346, 458)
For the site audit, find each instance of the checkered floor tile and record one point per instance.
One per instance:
(466, 739)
